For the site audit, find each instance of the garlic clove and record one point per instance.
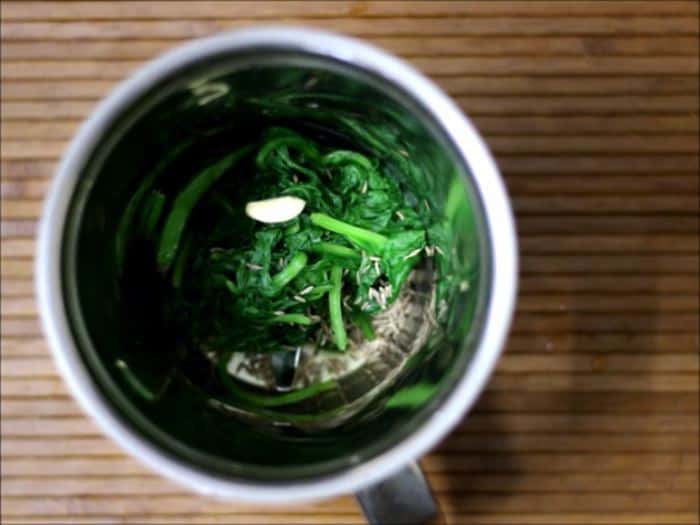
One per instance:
(275, 210)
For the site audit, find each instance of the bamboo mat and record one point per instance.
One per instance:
(591, 109)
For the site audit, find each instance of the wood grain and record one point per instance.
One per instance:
(204, 10)
(592, 110)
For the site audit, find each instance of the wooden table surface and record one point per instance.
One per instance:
(591, 109)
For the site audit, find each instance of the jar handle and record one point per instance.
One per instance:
(403, 499)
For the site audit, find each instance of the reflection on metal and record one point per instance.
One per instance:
(206, 92)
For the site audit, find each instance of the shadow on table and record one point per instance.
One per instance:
(564, 416)
(467, 458)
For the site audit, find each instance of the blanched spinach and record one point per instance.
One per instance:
(242, 285)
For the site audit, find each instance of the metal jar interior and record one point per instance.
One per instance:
(196, 101)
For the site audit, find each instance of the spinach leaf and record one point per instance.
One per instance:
(238, 285)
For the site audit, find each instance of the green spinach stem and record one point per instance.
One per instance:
(364, 239)
(335, 308)
(364, 323)
(296, 264)
(329, 248)
(292, 319)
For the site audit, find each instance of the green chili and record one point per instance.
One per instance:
(185, 203)
(181, 262)
(152, 212)
(124, 227)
